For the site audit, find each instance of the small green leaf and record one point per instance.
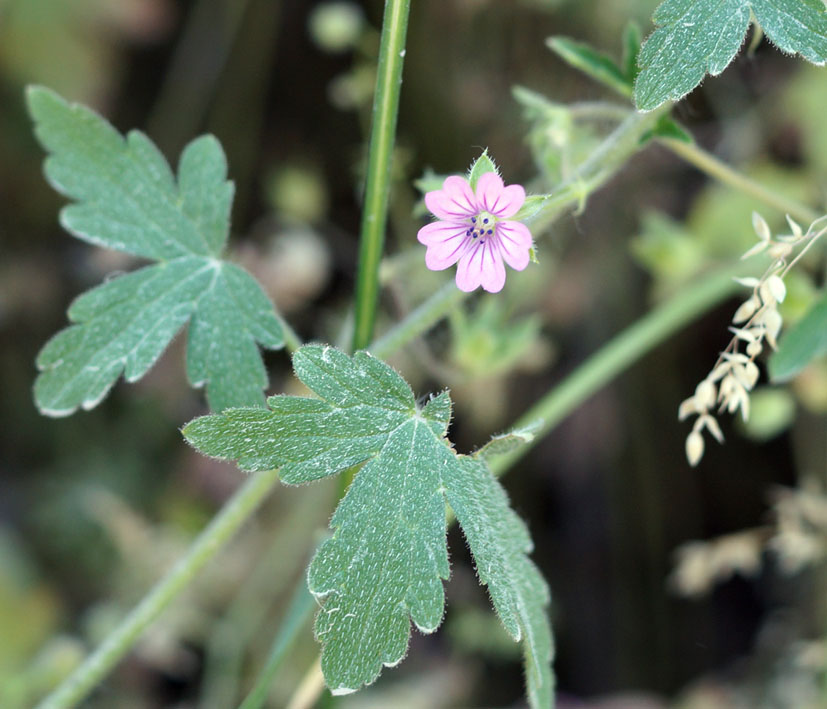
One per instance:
(481, 165)
(597, 65)
(666, 128)
(385, 563)
(507, 442)
(631, 49)
(429, 181)
(127, 198)
(698, 37)
(805, 341)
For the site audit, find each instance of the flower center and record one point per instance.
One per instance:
(482, 226)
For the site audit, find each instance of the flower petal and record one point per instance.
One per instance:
(481, 265)
(454, 201)
(510, 201)
(439, 231)
(442, 254)
(489, 191)
(514, 243)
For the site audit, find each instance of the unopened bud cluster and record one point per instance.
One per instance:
(755, 322)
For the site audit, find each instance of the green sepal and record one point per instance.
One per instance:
(480, 166)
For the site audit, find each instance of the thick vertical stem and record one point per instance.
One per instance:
(382, 135)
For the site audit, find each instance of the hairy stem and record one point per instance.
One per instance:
(419, 320)
(712, 166)
(625, 349)
(377, 186)
(231, 517)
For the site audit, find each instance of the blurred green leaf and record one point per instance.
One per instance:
(597, 65)
(631, 49)
(698, 37)
(666, 128)
(771, 412)
(802, 343)
(491, 341)
(384, 564)
(127, 199)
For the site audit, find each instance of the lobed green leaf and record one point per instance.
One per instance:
(127, 198)
(384, 565)
(698, 37)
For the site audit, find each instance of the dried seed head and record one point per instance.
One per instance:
(712, 426)
(747, 374)
(779, 252)
(705, 395)
(762, 230)
(687, 408)
(777, 288)
(694, 448)
(746, 310)
(794, 227)
(766, 295)
(772, 322)
(757, 249)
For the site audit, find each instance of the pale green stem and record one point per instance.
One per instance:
(418, 321)
(625, 349)
(291, 337)
(380, 152)
(299, 612)
(722, 172)
(237, 510)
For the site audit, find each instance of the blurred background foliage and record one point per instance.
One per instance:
(94, 507)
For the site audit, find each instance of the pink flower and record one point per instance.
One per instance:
(474, 230)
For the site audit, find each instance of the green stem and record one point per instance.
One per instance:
(722, 172)
(419, 320)
(237, 510)
(625, 349)
(291, 338)
(383, 132)
(300, 610)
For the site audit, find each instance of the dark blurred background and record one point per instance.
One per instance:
(94, 507)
